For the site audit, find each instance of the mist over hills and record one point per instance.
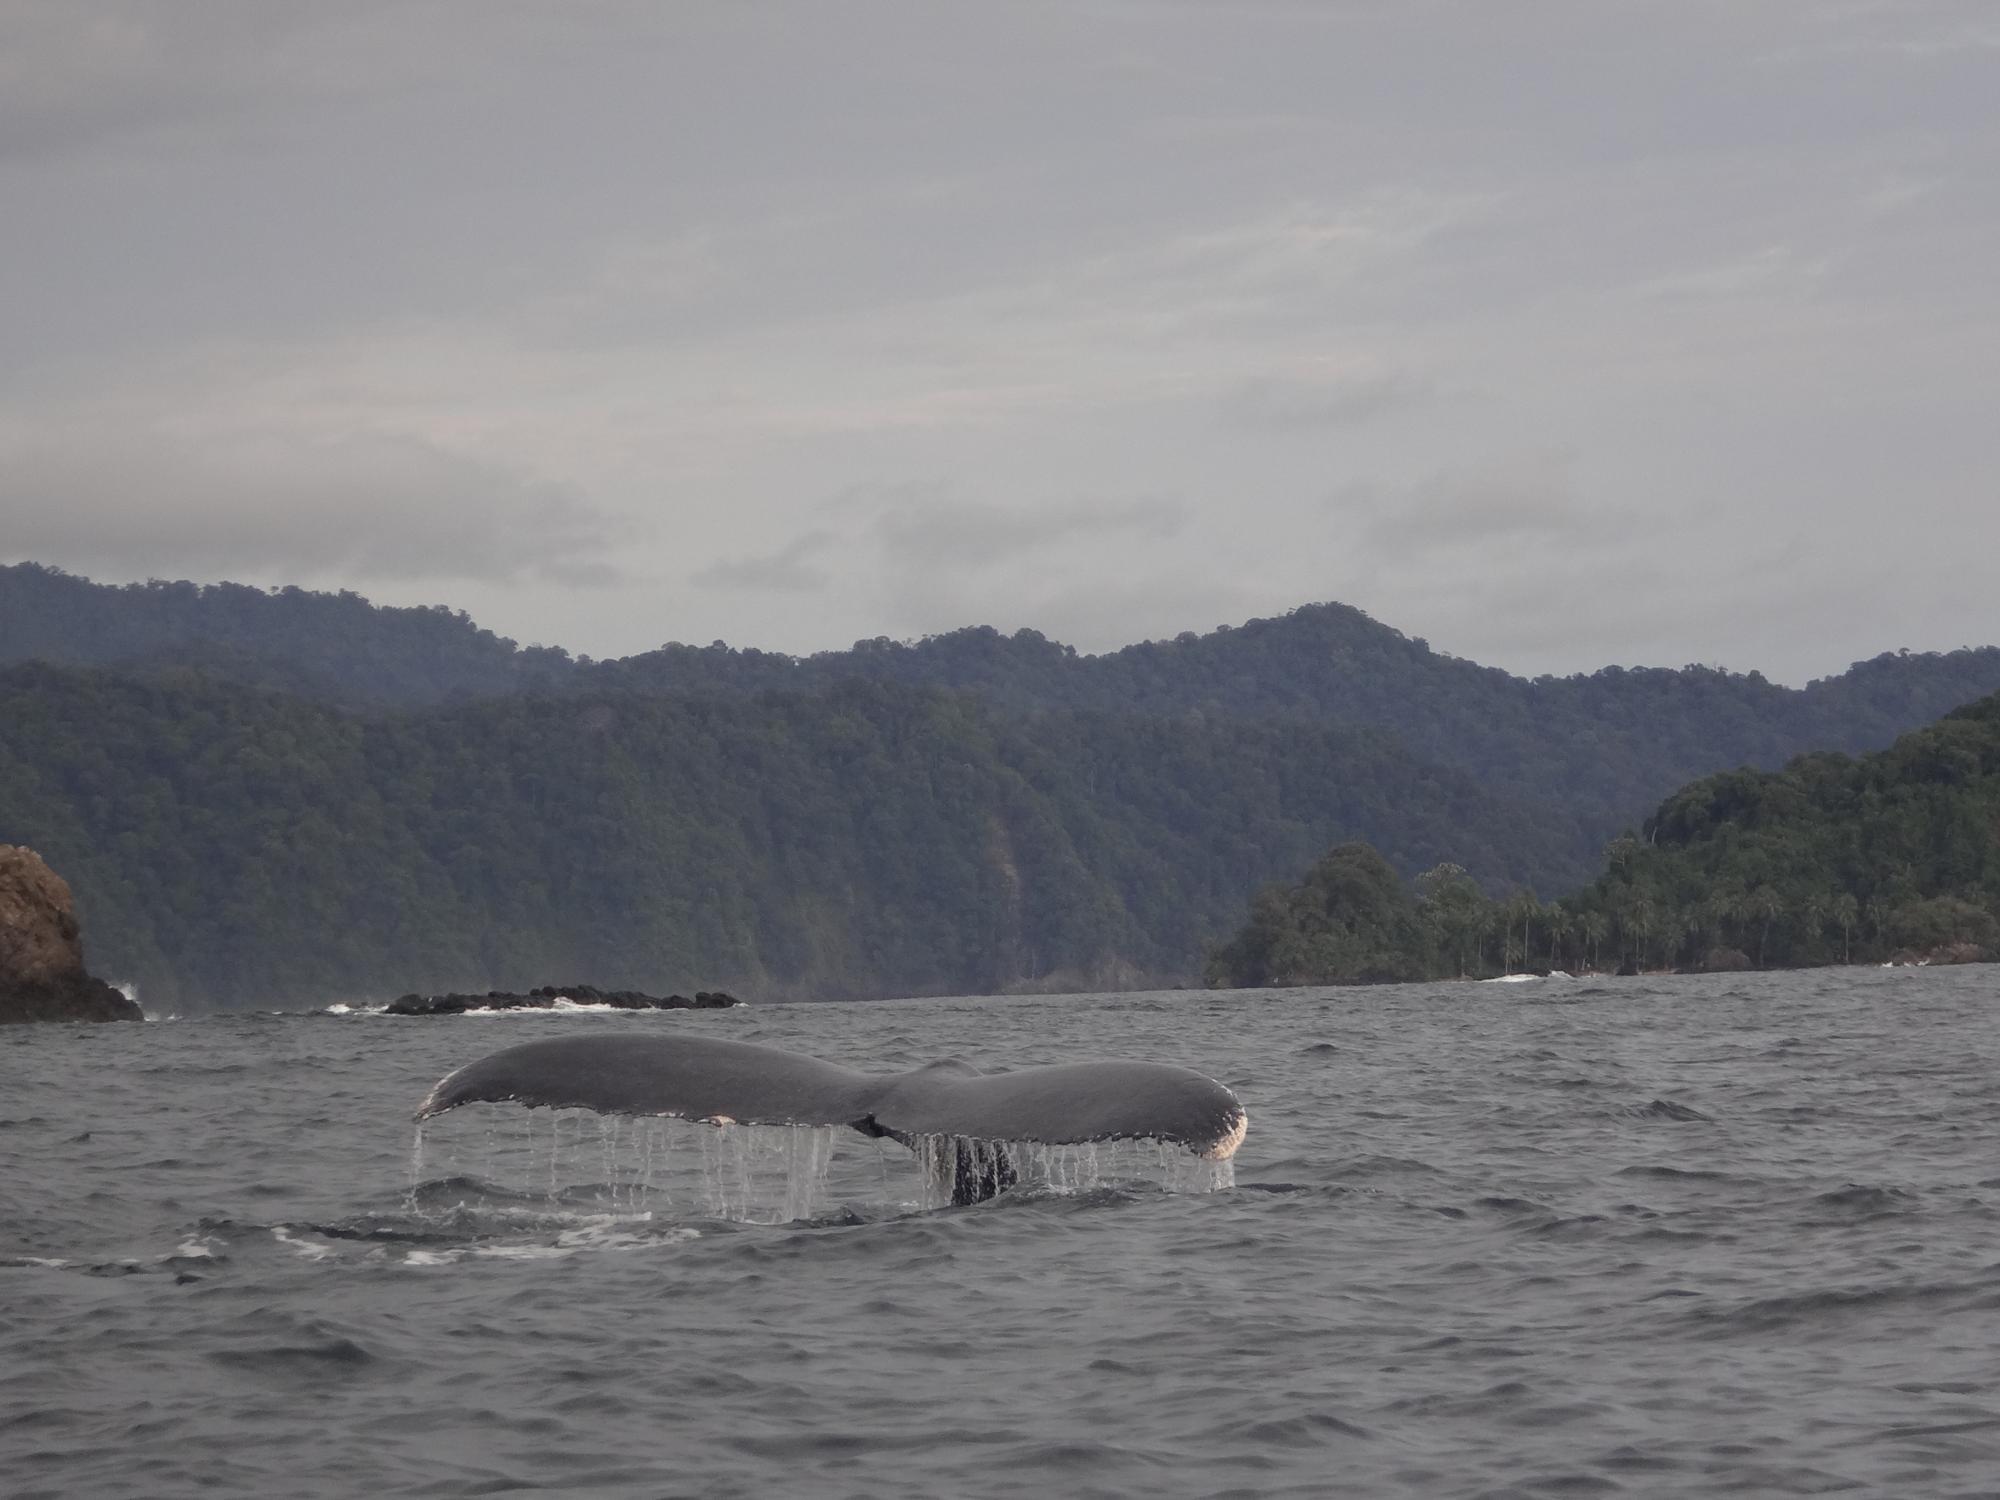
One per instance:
(286, 794)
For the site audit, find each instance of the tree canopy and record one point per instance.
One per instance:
(1833, 859)
(277, 794)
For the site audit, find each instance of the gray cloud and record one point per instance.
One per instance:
(970, 534)
(317, 292)
(132, 504)
(80, 74)
(1284, 402)
(1532, 499)
(787, 570)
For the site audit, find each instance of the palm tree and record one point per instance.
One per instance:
(1766, 906)
(1845, 910)
(1734, 906)
(1635, 922)
(1522, 908)
(1814, 908)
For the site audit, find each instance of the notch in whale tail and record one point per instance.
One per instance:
(958, 1118)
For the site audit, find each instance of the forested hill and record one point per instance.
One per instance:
(1596, 750)
(1832, 859)
(1602, 747)
(234, 846)
(336, 648)
(1890, 856)
(280, 795)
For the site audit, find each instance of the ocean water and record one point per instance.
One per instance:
(1693, 1236)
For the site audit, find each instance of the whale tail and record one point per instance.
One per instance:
(958, 1119)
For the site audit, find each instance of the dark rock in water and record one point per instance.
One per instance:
(42, 977)
(1959, 953)
(1725, 961)
(1629, 969)
(544, 997)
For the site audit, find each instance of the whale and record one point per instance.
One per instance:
(950, 1110)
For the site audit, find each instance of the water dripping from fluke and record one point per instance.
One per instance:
(668, 1169)
(766, 1122)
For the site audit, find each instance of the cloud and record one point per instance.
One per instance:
(971, 534)
(786, 570)
(1291, 402)
(355, 507)
(1531, 498)
(77, 74)
(331, 291)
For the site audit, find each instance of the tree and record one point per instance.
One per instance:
(1845, 910)
(1595, 928)
(1766, 907)
(1559, 922)
(1453, 909)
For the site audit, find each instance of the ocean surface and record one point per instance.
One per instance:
(1693, 1236)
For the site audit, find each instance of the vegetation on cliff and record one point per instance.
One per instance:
(1831, 860)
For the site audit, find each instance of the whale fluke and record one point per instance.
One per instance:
(720, 1082)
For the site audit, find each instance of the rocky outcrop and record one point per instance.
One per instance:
(546, 996)
(1725, 961)
(1959, 953)
(42, 977)
(1944, 953)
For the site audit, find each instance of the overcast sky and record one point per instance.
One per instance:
(1556, 333)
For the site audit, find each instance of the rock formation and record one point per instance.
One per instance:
(42, 977)
(1725, 961)
(546, 996)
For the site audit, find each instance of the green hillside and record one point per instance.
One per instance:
(1833, 859)
(231, 846)
(279, 794)
(1594, 752)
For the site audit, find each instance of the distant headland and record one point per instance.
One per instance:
(1886, 858)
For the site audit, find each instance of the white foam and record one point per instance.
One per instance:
(310, 1249)
(599, 1234)
(562, 1007)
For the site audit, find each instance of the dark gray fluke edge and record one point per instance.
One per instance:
(723, 1082)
